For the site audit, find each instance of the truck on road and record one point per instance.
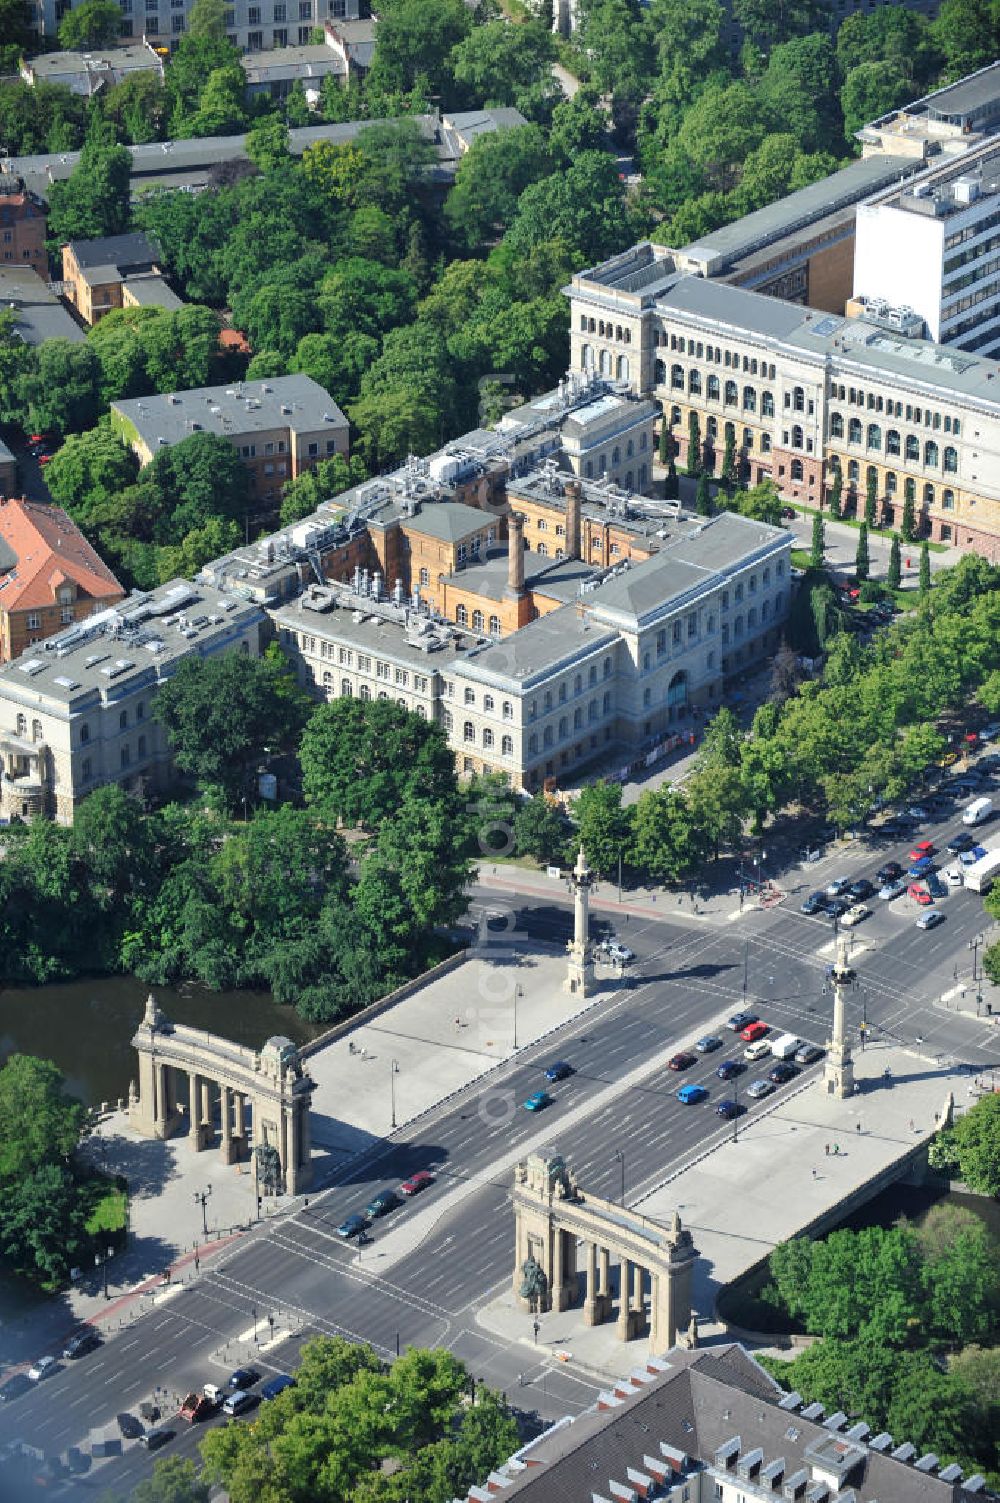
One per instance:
(981, 875)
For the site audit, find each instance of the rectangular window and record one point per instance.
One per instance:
(66, 614)
(304, 35)
(305, 10)
(177, 25)
(281, 12)
(152, 25)
(125, 28)
(85, 770)
(255, 41)
(313, 451)
(253, 14)
(228, 18)
(34, 620)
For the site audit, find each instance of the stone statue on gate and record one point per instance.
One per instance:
(534, 1284)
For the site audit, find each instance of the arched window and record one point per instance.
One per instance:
(871, 477)
(461, 615)
(910, 490)
(767, 404)
(592, 675)
(891, 482)
(892, 441)
(347, 688)
(543, 550)
(731, 394)
(677, 377)
(947, 500)
(854, 431)
(606, 363)
(659, 373)
(477, 621)
(507, 710)
(931, 453)
(616, 457)
(563, 727)
(912, 447)
(547, 736)
(507, 746)
(852, 471)
(796, 469)
(468, 731)
(425, 576)
(366, 693)
(677, 690)
(765, 443)
(622, 370)
(874, 436)
(694, 383)
(586, 358)
(533, 742)
(122, 721)
(494, 626)
(606, 704)
(950, 461)
(588, 469)
(577, 719)
(643, 436)
(487, 738)
(712, 388)
(798, 399)
(749, 399)
(629, 449)
(836, 425)
(797, 440)
(752, 617)
(608, 667)
(36, 730)
(470, 696)
(712, 428)
(928, 495)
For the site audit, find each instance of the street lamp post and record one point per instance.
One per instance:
(518, 993)
(977, 977)
(736, 1101)
(393, 1072)
(620, 1158)
(201, 1198)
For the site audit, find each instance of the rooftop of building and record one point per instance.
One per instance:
(38, 313)
(291, 62)
(380, 627)
(630, 597)
(118, 252)
(837, 193)
(545, 646)
(142, 637)
(150, 290)
(468, 125)
(189, 162)
(449, 521)
(719, 1409)
(975, 98)
(295, 402)
(603, 501)
(49, 67)
(42, 548)
(561, 579)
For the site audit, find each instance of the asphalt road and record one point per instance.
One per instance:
(687, 977)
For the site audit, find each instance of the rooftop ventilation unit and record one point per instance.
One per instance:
(881, 1442)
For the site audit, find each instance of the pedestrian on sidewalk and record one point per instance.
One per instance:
(826, 1149)
(815, 1175)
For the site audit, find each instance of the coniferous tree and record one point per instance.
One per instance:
(818, 543)
(665, 447)
(730, 464)
(671, 487)
(836, 494)
(895, 571)
(703, 498)
(908, 517)
(871, 496)
(862, 562)
(925, 569)
(694, 445)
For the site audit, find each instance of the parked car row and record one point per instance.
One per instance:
(787, 1051)
(387, 1200)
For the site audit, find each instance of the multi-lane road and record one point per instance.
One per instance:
(688, 977)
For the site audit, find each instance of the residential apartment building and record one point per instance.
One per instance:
(87, 72)
(712, 1426)
(50, 576)
(22, 226)
(99, 275)
(249, 26)
(76, 710)
(280, 428)
(803, 393)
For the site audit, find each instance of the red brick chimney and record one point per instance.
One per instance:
(515, 554)
(573, 499)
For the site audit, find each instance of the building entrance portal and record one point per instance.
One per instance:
(231, 1096)
(576, 1249)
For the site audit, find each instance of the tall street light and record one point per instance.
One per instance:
(518, 994)
(201, 1198)
(620, 1158)
(393, 1072)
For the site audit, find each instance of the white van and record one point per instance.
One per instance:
(785, 1046)
(977, 811)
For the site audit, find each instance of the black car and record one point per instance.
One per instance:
(243, 1378)
(890, 872)
(131, 1428)
(14, 1387)
(963, 841)
(154, 1439)
(558, 1070)
(730, 1068)
(741, 1020)
(835, 908)
(860, 890)
(84, 1341)
(935, 886)
(813, 903)
(782, 1073)
(729, 1110)
(382, 1203)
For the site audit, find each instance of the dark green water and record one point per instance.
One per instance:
(86, 1027)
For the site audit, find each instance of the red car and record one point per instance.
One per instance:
(921, 849)
(919, 894)
(44, 458)
(681, 1062)
(416, 1183)
(754, 1032)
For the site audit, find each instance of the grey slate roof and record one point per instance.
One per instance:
(836, 192)
(450, 522)
(38, 312)
(542, 648)
(122, 251)
(247, 407)
(151, 291)
(703, 1402)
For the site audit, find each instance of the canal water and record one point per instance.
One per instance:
(86, 1027)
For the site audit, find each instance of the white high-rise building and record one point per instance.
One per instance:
(251, 25)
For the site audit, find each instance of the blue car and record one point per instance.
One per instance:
(729, 1110)
(277, 1385)
(968, 858)
(922, 867)
(730, 1068)
(691, 1094)
(537, 1101)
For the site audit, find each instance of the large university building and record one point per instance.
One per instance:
(803, 393)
